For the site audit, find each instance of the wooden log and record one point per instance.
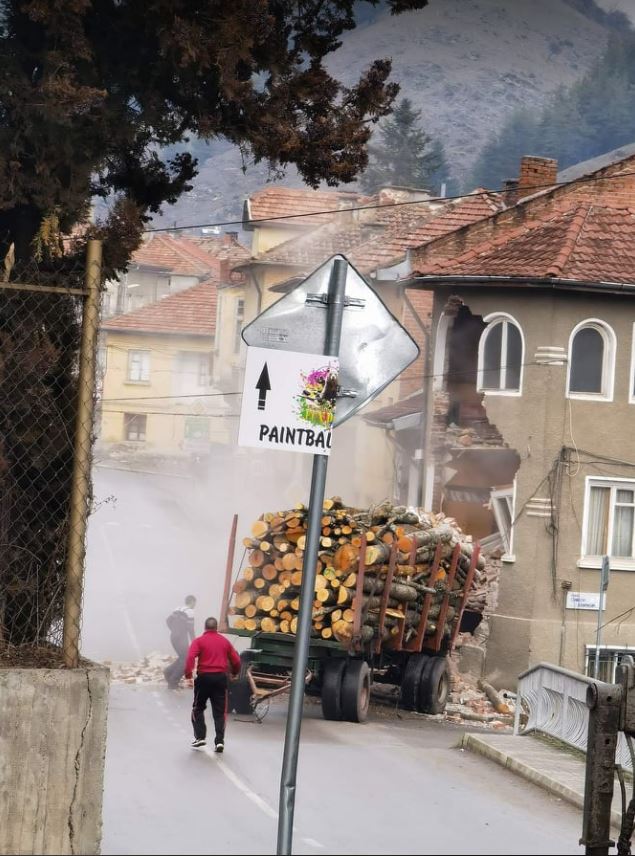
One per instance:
(245, 598)
(265, 603)
(288, 561)
(260, 584)
(326, 596)
(500, 706)
(269, 572)
(284, 625)
(296, 579)
(256, 558)
(239, 622)
(251, 610)
(344, 596)
(259, 529)
(269, 625)
(252, 623)
(293, 627)
(326, 633)
(350, 580)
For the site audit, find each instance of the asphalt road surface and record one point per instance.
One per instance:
(153, 539)
(387, 787)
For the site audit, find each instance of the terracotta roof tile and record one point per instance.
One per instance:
(284, 201)
(381, 236)
(587, 242)
(405, 407)
(191, 312)
(186, 256)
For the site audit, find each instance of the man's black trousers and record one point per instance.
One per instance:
(212, 686)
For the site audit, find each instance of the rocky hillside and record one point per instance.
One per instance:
(465, 63)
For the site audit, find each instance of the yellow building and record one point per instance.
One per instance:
(157, 392)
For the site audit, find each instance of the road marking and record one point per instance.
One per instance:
(242, 786)
(124, 608)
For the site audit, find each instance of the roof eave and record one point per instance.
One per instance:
(601, 286)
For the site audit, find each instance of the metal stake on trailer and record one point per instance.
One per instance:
(335, 313)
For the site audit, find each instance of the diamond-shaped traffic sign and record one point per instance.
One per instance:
(374, 347)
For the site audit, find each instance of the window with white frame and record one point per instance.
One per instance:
(609, 521)
(502, 505)
(500, 356)
(134, 425)
(139, 366)
(591, 361)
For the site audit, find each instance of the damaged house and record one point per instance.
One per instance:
(530, 407)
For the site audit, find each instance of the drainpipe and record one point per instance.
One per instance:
(565, 585)
(427, 405)
(252, 276)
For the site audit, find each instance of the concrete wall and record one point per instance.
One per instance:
(52, 748)
(531, 623)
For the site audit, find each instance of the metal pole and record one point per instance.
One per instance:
(80, 485)
(604, 703)
(604, 576)
(335, 310)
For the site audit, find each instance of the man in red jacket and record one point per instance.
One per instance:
(215, 655)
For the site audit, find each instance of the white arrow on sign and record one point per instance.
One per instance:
(288, 401)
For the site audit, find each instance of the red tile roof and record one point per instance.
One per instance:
(187, 256)
(284, 201)
(381, 236)
(583, 230)
(385, 416)
(223, 247)
(592, 243)
(188, 312)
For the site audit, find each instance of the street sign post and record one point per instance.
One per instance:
(288, 401)
(331, 321)
(604, 584)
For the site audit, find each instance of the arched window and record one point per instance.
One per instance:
(591, 360)
(500, 356)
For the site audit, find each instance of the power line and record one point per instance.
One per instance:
(582, 180)
(446, 375)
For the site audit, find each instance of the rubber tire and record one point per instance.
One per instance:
(409, 689)
(434, 687)
(239, 700)
(356, 691)
(332, 675)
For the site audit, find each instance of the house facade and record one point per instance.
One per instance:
(375, 457)
(530, 409)
(158, 395)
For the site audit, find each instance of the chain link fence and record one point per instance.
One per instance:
(48, 330)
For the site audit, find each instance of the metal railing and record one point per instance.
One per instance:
(554, 700)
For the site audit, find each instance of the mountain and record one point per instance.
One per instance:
(466, 64)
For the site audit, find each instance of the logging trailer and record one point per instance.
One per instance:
(342, 675)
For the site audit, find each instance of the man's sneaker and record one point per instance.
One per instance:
(198, 741)
(219, 747)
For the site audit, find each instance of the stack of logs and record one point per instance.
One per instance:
(266, 597)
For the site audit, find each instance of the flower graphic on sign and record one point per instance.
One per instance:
(316, 402)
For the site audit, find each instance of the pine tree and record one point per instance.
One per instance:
(406, 155)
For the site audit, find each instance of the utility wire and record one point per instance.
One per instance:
(428, 200)
(446, 375)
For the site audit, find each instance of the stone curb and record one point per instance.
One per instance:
(474, 743)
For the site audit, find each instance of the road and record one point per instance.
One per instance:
(386, 787)
(153, 539)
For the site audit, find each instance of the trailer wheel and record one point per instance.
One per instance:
(332, 675)
(409, 690)
(356, 691)
(240, 697)
(434, 686)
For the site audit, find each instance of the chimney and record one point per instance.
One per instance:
(510, 192)
(230, 238)
(536, 173)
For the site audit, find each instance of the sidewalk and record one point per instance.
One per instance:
(557, 770)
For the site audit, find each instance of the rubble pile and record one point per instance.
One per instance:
(149, 670)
